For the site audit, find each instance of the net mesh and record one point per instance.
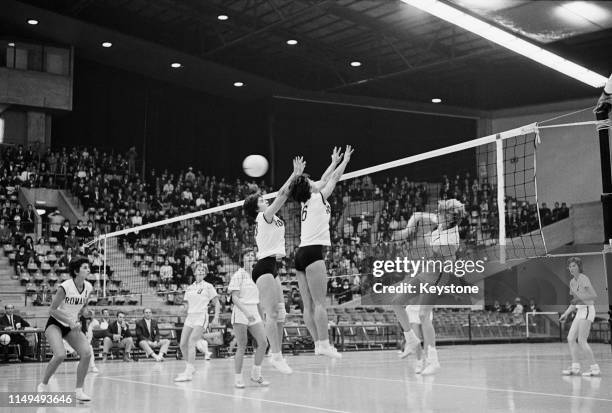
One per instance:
(369, 210)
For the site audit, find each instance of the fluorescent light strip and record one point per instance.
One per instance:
(509, 41)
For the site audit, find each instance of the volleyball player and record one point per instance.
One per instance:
(270, 240)
(584, 305)
(245, 319)
(441, 235)
(197, 296)
(309, 263)
(63, 324)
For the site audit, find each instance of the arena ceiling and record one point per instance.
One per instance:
(405, 54)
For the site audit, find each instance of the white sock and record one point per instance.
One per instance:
(595, 366)
(78, 389)
(411, 337)
(576, 366)
(432, 353)
(276, 356)
(256, 372)
(238, 377)
(323, 344)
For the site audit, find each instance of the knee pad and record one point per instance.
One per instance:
(282, 313)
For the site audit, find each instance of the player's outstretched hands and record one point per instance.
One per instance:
(336, 155)
(298, 165)
(347, 153)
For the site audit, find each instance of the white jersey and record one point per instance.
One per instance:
(74, 300)
(269, 236)
(199, 295)
(315, 221)
(449, 236)
(577, 287)
(243, 283)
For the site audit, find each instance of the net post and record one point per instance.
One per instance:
(104, 271)
(501, 201)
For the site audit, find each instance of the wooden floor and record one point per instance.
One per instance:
(480, 378)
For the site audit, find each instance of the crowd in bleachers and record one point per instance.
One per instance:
(114, 197)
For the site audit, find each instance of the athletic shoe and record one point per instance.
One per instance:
(281, 365)
(409, 348)
(239, 383)
(42, 388)
(330, 352)
(184, 376)
(571, 371)
(593, 372)
(260, 381)
(80, 395)
(431, 367)
(94, 369)
(418, 366)
(208, 355)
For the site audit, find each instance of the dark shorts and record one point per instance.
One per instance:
(264, 266)
(53, 322)
(307, 255)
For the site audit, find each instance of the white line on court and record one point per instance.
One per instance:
(457, 386)
(231, 396)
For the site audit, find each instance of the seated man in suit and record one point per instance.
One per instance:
(10, 321)
(147, 335)
(118, 333)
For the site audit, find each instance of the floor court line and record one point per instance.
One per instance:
(493, 389)
(231, 396)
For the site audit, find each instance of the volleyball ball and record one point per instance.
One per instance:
(255, 165)
(5, 339)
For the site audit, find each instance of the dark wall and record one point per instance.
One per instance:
(378, 136)
(183, 127)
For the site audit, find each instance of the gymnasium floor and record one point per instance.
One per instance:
(480, 378)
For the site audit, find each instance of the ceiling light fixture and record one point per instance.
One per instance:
(11, 44)
(107, 44)
(436, 100)
(355, 63)
(176, 65)
(238, 84)
(292, 42)
(508, 40)
(222, 17)
(33, 22)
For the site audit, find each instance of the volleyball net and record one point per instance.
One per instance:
(487, 187)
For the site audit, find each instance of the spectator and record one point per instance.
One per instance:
(5, 232)
(56, 221)
(71, 240)
(545, 214)
(518, 307)
(533, 308)
(147, 335)
(27, 218)
(63, 232)
(165, 272)
(131, 158)
(555, 212)
(41, 248)
(118, 333)
(564, 211)
(10, 322)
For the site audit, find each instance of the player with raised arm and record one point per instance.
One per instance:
(309, 263)
(64, 324)
(270, 240)
(584, 305)
(441, 235)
